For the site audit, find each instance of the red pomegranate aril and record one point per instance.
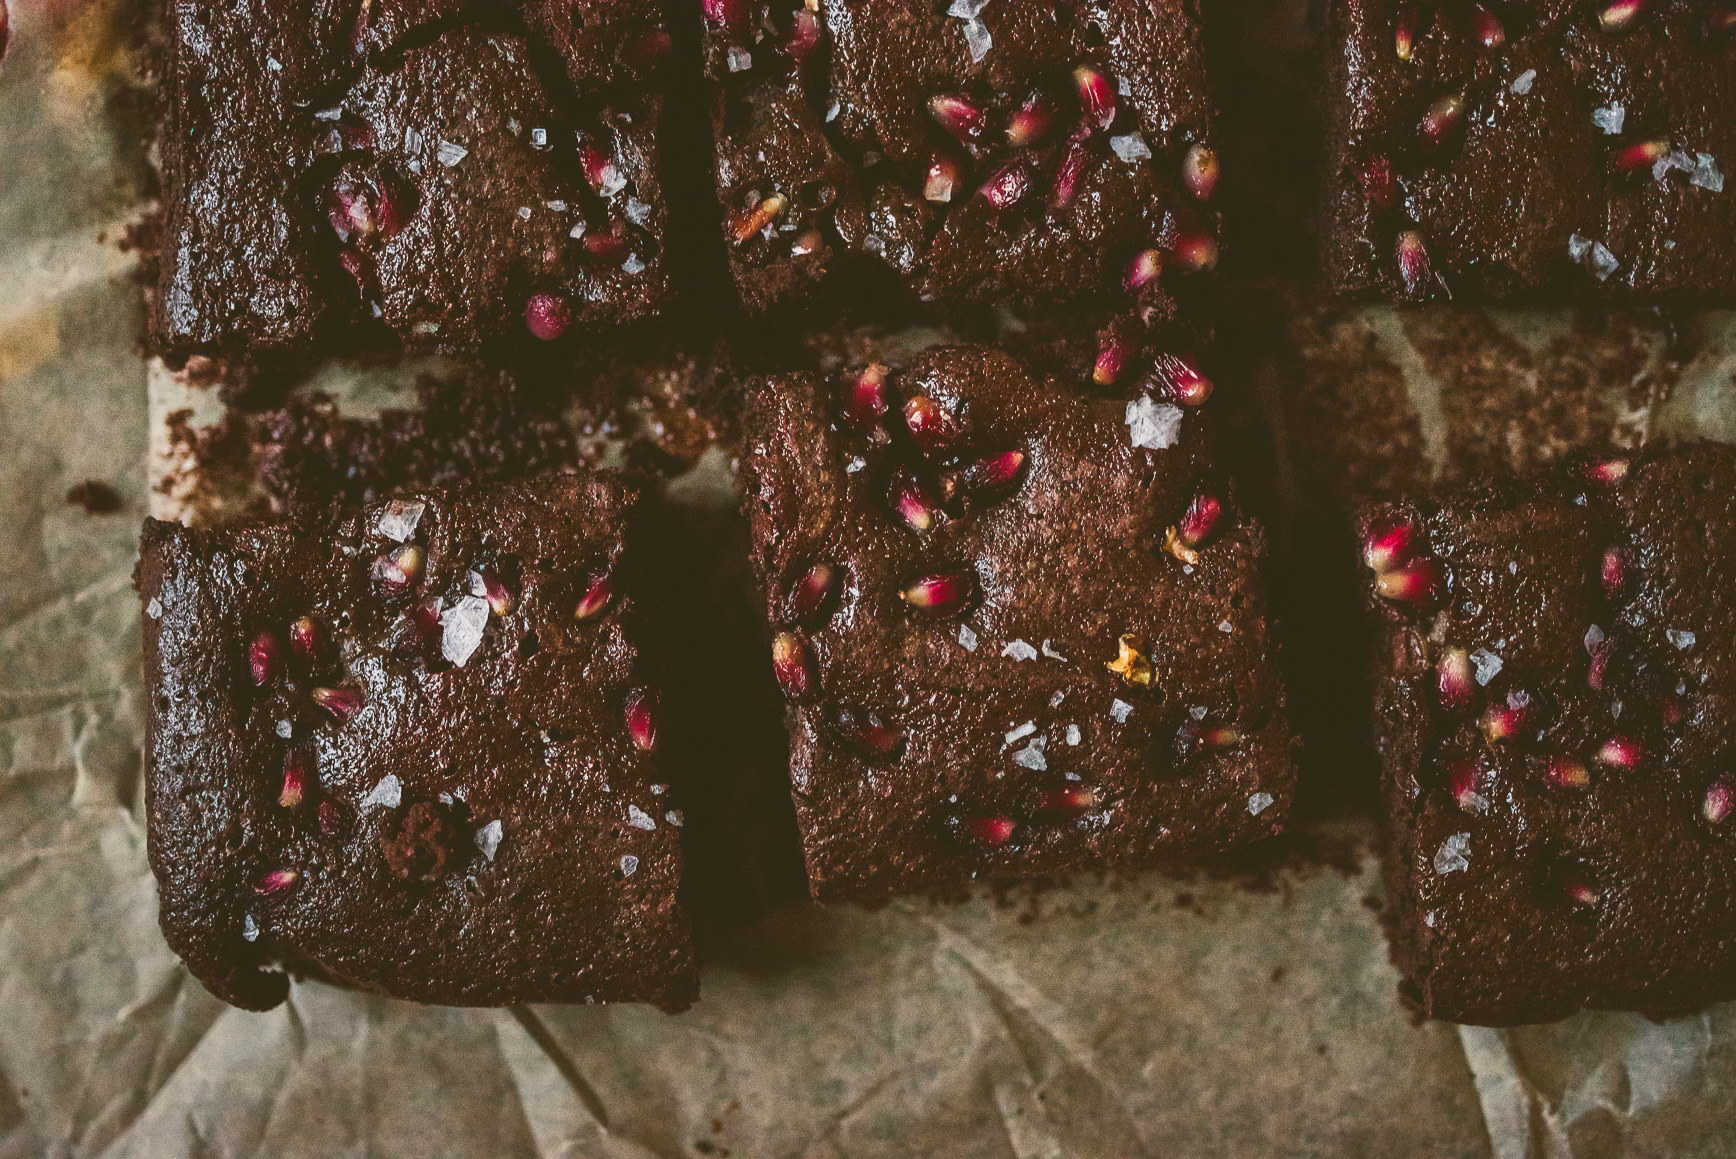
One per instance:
(1462, 783)
(1456, 688)
(1605, 472)
(958, 115)
(1096, 96)
(1181, 380)
(1578, 889)
(1564, 771)
(865, 399)
(986, 829)
(1007, 186)
(1619, 753)
(265, 658)
(1143, 270)
(747, 224)
(809, 241)
(351, 211)
(501, 599)
(1621, 15)
(308, 638)
(1217, 738)
(1640, 156)
(602, 172)
(1443, 124)
(937, 596)
(1066, 803)
(945, 175)
(641, 719)
(813, 595)
(1404, 33)
(294, 781)
(1672, 710)
(546, 316)
(1194, 251)
(1487, 27)
(1199, 171)
(1597, 671)
(609, 246)
(1421, 583)
(793, 665)
(1112, 360)
(994, 474)
(805, 34)
(341, 703)
(1613, 572)
(1379, 186)
(1070, 172)
(1392, 541)
(599, 592)
(1514, 717)
(276, 881)
(871, 738)
(931, 427)
(725, 13)
(1719, 802)
(360, 270)
(415, 628)
(1414, 268)
(1032, 121)
(330, 818)
(399, 569)
(1201, 521)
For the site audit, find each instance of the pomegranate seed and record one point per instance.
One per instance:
(415, 628)
(1379, 186)
(1007, 186)
(804, 36)
(726, 13)
(1143, 270)
(809, 241)
(360, 269)
(793, 665)
(1071, 170)
(1405, 32)
(1620, 754)
(330, 818)
(500, 598)
(748, 223)
(985, 830)
(1578, 889)
(865, 400)
(1414, 268)
(342, 703)
(307, 638)
(915, 506)
(1564, 771)
(1199, 171)
(1096, 96)
(1487, 27)
(1195, 251)
(1421, 583)
(1672, 710)
(399, 569)
(944, 177)
(931, 427)
(995, 474)
(1130, 662)
(1720, 801)
(1066, 803)
(1613, 572)
(610, 246)
(1443, 124)
(1032, 121)
(350, 210)
(1621, 15)
(1512, 718)
(1392, 542)
(938, 596)
(294, 780)
(1201, 521)
(1202, 739)
(641, 719)
(1640, 156)
(602, 172)
(1112, 359)
(958, 115)
(1455, 682)
(1462, 783)
(5, 28)
(547, 316)
(812, 597)
(1605, 472)
(599, 592)
(871, 738)
(265, 658)
(1597, 672)
(1181, 380)
(276, 881)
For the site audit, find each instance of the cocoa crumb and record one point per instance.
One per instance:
(421, 842)
(95, 496)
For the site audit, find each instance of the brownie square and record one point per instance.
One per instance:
(1554, 713)
(1020, 627)
(457, 172)
(1532, 150)
(1023, 149)
(407, 748)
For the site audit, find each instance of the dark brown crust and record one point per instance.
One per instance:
(528, 732)
(1499, 942)
(1072, 558)
(1497, 214)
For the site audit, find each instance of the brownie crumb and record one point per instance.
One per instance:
(95, 496)
(423, 842)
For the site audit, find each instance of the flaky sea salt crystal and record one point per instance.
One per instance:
(285, 729)
(461, 628)
(249, 928)
(1522, 83)
(1198, 711)
(556, 206)
(1019, 650)
(1132, 147)
(488, 838)
(638, 212)
(332, 114)
(1073, 734)
(1226, 627)
(1259, 803)
(1451, 856)
(412, 141)
(154, 609)
(399, 519)
(967, 638)
(1593, 637)
(740, 60)
(1705, 173)
(451, 153)
(629, 865)
(1578, 247)
(1603, 263)
(1610, 120)
(633, 265)
(967, 9)
(539, 138)
(1488, 665)
(977, 39)
(1023, 731)
(1049, 651)
(524, 212)
(387, 794)
(676, 818)
(1153, 425)
(1055, 700)
(1031, 756)
(855, 464)
(639, 819)
(1682, 640)
(1120, 710)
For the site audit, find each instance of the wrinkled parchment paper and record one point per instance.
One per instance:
(1142, 1018)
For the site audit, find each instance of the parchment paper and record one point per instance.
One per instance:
(1139, 1018)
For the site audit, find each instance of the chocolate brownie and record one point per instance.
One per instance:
(1020, 627)
(407, 748)
(1023, 149)
(456, 171)
(1536, 150)
(1554, 709)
